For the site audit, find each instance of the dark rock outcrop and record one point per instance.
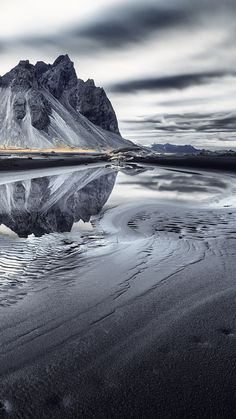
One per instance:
(40, 68)
(40, 110)
(23, 77)
(59, 76)
(93, 103)
(19, 106)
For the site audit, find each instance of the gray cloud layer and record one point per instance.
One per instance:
(124, 25)
(132, 25)
(180, 81)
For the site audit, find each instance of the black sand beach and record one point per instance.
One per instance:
(226, 163)
(43, 160)
(168, 354)
(132, 318)
(22, 161)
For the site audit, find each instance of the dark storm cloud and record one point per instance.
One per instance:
(136, 21)
(133, 22)
(132, 25)
(180, 81)
(129, 23)
(177, 182)
(143, 121)
(185, 102)
(223, 124)
(118, 27)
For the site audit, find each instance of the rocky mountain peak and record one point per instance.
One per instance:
(47, 104)
(60, 76)
(90, 83)
(64, 60)
(22, 76)
(24, 63)
(40, 68)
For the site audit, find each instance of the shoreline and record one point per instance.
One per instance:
(24, 161)
(46, 161)
(200, 162)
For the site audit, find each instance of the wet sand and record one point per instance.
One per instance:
(225, 163)
(138, 322)
(47, 160)
(22, 161)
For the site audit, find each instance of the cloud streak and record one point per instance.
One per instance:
(118, 27)
(180, 81)
(129, 23)
(132, 25)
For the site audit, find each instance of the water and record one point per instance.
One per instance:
(54, 224)
(83, 252)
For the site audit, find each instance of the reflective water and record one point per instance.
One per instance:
(53, 203)
(49, 204)
(56, 223)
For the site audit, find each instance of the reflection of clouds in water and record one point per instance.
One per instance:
(55, 203)
(141, 206)
(180, 183)
(172, 185)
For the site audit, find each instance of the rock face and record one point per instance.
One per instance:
(21, 77)
(46, 105)
(60, 76)
(93, 103)
(19, 106)
(53, 203)
(40, 110)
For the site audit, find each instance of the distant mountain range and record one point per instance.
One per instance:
(175, 149)
(46, 105)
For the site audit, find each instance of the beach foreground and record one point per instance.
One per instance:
(12, 160)
(129, 315)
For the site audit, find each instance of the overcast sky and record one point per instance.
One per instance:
(168, 66)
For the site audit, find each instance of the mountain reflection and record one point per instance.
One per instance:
(54, 203)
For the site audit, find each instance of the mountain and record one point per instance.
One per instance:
(54, 203)
(175, 149)
(46, 105)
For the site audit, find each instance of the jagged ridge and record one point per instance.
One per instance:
(47, 105)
